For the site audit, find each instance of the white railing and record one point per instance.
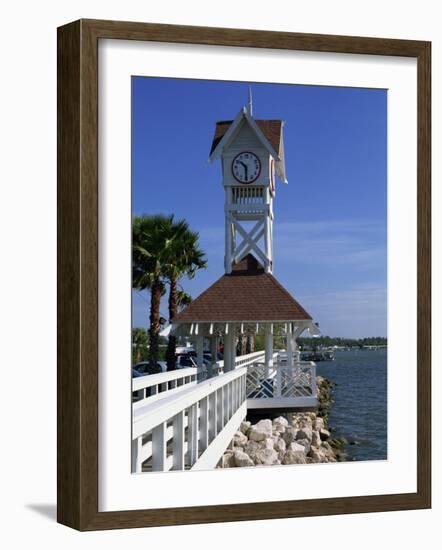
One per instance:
(153, 386)
(282, 357)
(282, 381)
(241, 361)
(189, 429)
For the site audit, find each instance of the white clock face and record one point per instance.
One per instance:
(246, 167)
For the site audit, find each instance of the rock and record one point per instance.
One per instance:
(316, 439)
(280, 424)
(294, 457)
(306, 443)
(317, 455)
(303, 421)
(266, 457)
(244, 426)
(261, 430)
(296, 447)
(324, 434)
(266, 443)
(322, 454)
(280, 447)
(289, 435)
(239, 439)
(251, 449)
(318, 424)
(304, 433)
(227, 460)
(279, 444)
(242, 459)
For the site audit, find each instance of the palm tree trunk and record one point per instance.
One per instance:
(242, 345)
(154, 330)
(171, 345)
(250, 344)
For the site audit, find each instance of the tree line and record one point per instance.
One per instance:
(329, 341)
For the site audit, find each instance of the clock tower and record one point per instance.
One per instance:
(252, 156)
(247, 299)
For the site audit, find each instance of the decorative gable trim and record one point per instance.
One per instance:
(231, 132)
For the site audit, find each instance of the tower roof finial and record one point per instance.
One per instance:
(250, 102)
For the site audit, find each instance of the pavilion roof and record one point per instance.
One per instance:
(248, 293)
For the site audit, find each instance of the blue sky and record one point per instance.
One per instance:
(330, 229)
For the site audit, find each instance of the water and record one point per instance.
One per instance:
(359, 412)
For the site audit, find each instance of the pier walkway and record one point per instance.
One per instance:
(185, 419)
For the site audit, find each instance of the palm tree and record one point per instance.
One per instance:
(185, 259)
(150, 256)
(140, 343)
(183, 299)
(163, 251)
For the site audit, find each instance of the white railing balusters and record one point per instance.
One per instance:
(278, 382)
(204, 423)
(220, 402)
(159, 443)
(225, 404)
(136, 454)
(211, 410)
(282, 381)
(182, 421)
(313, 382)
(193, 434)
(178, 441)
(213, 416)
(150, 386)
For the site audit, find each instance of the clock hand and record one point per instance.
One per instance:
(246, 169)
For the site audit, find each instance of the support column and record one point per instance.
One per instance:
(229, 234)
(214, 353)
(267, 237)
(233, 348)
(289, 345)
(228, 343)
(199, 348)
(268, 348)
(296, 354)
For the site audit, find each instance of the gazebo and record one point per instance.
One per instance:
(246, 301)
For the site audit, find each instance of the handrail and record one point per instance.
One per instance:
(160, 378)
(189, 428)
(242, 360)
(149, 416)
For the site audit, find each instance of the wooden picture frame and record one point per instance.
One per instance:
(78, 274)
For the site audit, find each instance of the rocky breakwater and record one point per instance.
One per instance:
(292, 438)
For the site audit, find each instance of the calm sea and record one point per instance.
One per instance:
(359, 412)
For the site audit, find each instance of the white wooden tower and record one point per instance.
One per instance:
(252, 155)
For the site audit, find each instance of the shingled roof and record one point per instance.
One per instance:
(270, 128)
(246, 294)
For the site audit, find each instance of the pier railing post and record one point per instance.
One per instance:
(313, 379)
(136, 451)
(159, 447)
(178, 441)
(278, 389)
(268, 350)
